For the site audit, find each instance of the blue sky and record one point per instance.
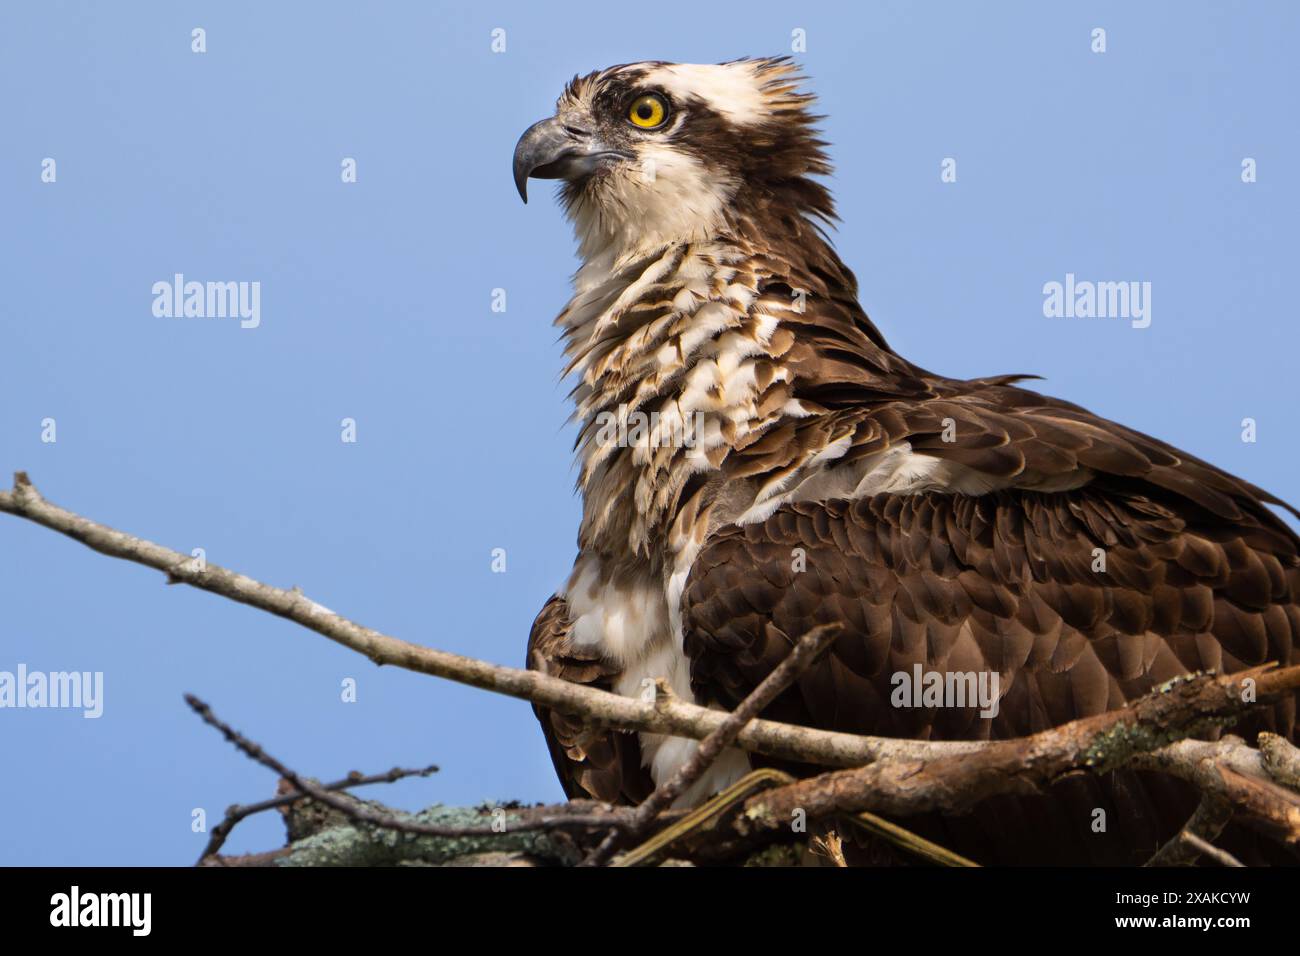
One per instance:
(376, 306)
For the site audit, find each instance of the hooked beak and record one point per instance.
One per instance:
(554, 149)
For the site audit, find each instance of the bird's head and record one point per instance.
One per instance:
(653, 153)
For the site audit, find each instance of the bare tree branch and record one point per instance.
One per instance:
(1237, 774)
(337, 842)
(665, 715)
(1179, 709)
(360, 812)
(239, 812)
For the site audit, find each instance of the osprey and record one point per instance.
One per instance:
(756, 460)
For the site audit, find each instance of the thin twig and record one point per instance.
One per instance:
(1220, 856)
(360, 813)
(239, 812)
(908, 842)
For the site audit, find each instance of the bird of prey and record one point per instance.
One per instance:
(754, 460)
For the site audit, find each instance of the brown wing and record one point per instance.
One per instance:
(1002, 582)
(994, 431)
(591, 764)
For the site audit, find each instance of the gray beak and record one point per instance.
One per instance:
(556, 149)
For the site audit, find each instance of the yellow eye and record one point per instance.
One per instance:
(648, 111)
